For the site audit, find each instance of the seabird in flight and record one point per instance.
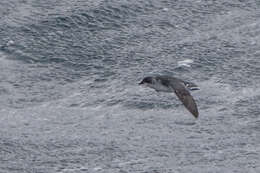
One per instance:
(171, 84)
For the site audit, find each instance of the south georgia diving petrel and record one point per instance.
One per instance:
(178, 86)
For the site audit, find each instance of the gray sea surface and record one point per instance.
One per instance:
(70, 100)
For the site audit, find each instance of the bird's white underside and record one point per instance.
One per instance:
(159, 87)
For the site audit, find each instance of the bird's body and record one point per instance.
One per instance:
(179, 87)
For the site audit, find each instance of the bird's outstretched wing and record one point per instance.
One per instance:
(187, 100)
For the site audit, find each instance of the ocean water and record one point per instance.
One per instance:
(70, 100)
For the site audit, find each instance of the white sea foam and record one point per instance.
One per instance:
(185, 62)
(165, 9)
(10, 43)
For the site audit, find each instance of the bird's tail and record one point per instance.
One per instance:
(191, 86)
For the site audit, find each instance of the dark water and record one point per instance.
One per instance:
(70, 102)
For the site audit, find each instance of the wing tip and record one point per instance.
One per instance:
(196, 115)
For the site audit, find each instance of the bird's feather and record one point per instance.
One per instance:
(184, 95)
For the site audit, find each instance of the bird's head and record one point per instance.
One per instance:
(146, 81)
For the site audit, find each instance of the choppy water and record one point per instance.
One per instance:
(70, 102)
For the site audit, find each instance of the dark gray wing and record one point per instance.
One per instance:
(185, 97)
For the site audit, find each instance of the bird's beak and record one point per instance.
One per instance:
(141, 83)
